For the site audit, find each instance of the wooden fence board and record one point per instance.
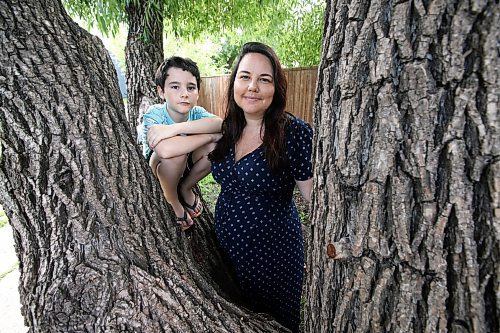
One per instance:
(300, 95)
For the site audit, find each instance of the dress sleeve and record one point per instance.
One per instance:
(299, 149)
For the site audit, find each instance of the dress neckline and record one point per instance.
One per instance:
(244, 156)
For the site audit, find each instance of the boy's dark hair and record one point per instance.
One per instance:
(176, 62)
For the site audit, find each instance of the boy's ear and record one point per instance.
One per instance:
(159, 90)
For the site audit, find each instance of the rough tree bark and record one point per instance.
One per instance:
(143, 55)
(97, 249)
(407, 173)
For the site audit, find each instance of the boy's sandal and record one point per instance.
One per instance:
(183, 220)
(194, 205)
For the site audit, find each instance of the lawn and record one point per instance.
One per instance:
(3, 217)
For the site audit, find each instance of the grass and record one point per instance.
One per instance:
(210, 191)
(3, 218)
(302, 206)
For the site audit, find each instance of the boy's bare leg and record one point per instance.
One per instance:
(169, 172)
(201, 168)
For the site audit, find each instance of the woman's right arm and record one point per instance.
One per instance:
(305, 188)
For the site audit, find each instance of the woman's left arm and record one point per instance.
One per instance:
(305, 188)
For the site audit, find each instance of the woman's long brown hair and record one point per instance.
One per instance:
(275, 118)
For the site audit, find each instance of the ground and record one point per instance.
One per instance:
(11, 320)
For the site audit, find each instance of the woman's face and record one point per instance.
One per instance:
(254, 85)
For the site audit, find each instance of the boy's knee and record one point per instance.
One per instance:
(175, 161)
(203, 151)
(154, 160)
(211, 147)
(160, 165)
(201, 154)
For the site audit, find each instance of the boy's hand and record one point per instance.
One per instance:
(156, 133)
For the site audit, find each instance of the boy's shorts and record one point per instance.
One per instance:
(187, 170)
(189, 164)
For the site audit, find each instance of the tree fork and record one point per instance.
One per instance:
(97, 247)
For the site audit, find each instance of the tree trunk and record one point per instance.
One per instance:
(97, 247)
(406, 198)
(143, 55)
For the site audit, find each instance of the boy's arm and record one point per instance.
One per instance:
(157, 133)
(150, 118)
(181, 145)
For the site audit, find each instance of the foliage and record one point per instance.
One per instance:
(294, 32)
(106, 15)
(293, 28)
(210, 190)
(201, 51)
(300, 44)
(186, 18)
(225, 57)
(195, 17)
(3, 218)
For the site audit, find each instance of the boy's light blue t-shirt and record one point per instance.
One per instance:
(157, 114)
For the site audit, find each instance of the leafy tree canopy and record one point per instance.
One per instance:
(186, 18)
(295, 34)
(293, 28)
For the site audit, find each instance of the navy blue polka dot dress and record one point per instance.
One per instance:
(258, 226)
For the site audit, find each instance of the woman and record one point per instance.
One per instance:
(263, 153)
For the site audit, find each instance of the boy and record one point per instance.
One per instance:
(178, 135)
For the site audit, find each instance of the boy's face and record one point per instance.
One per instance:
(180, 92)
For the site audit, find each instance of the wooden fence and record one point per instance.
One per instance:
(300, 95)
